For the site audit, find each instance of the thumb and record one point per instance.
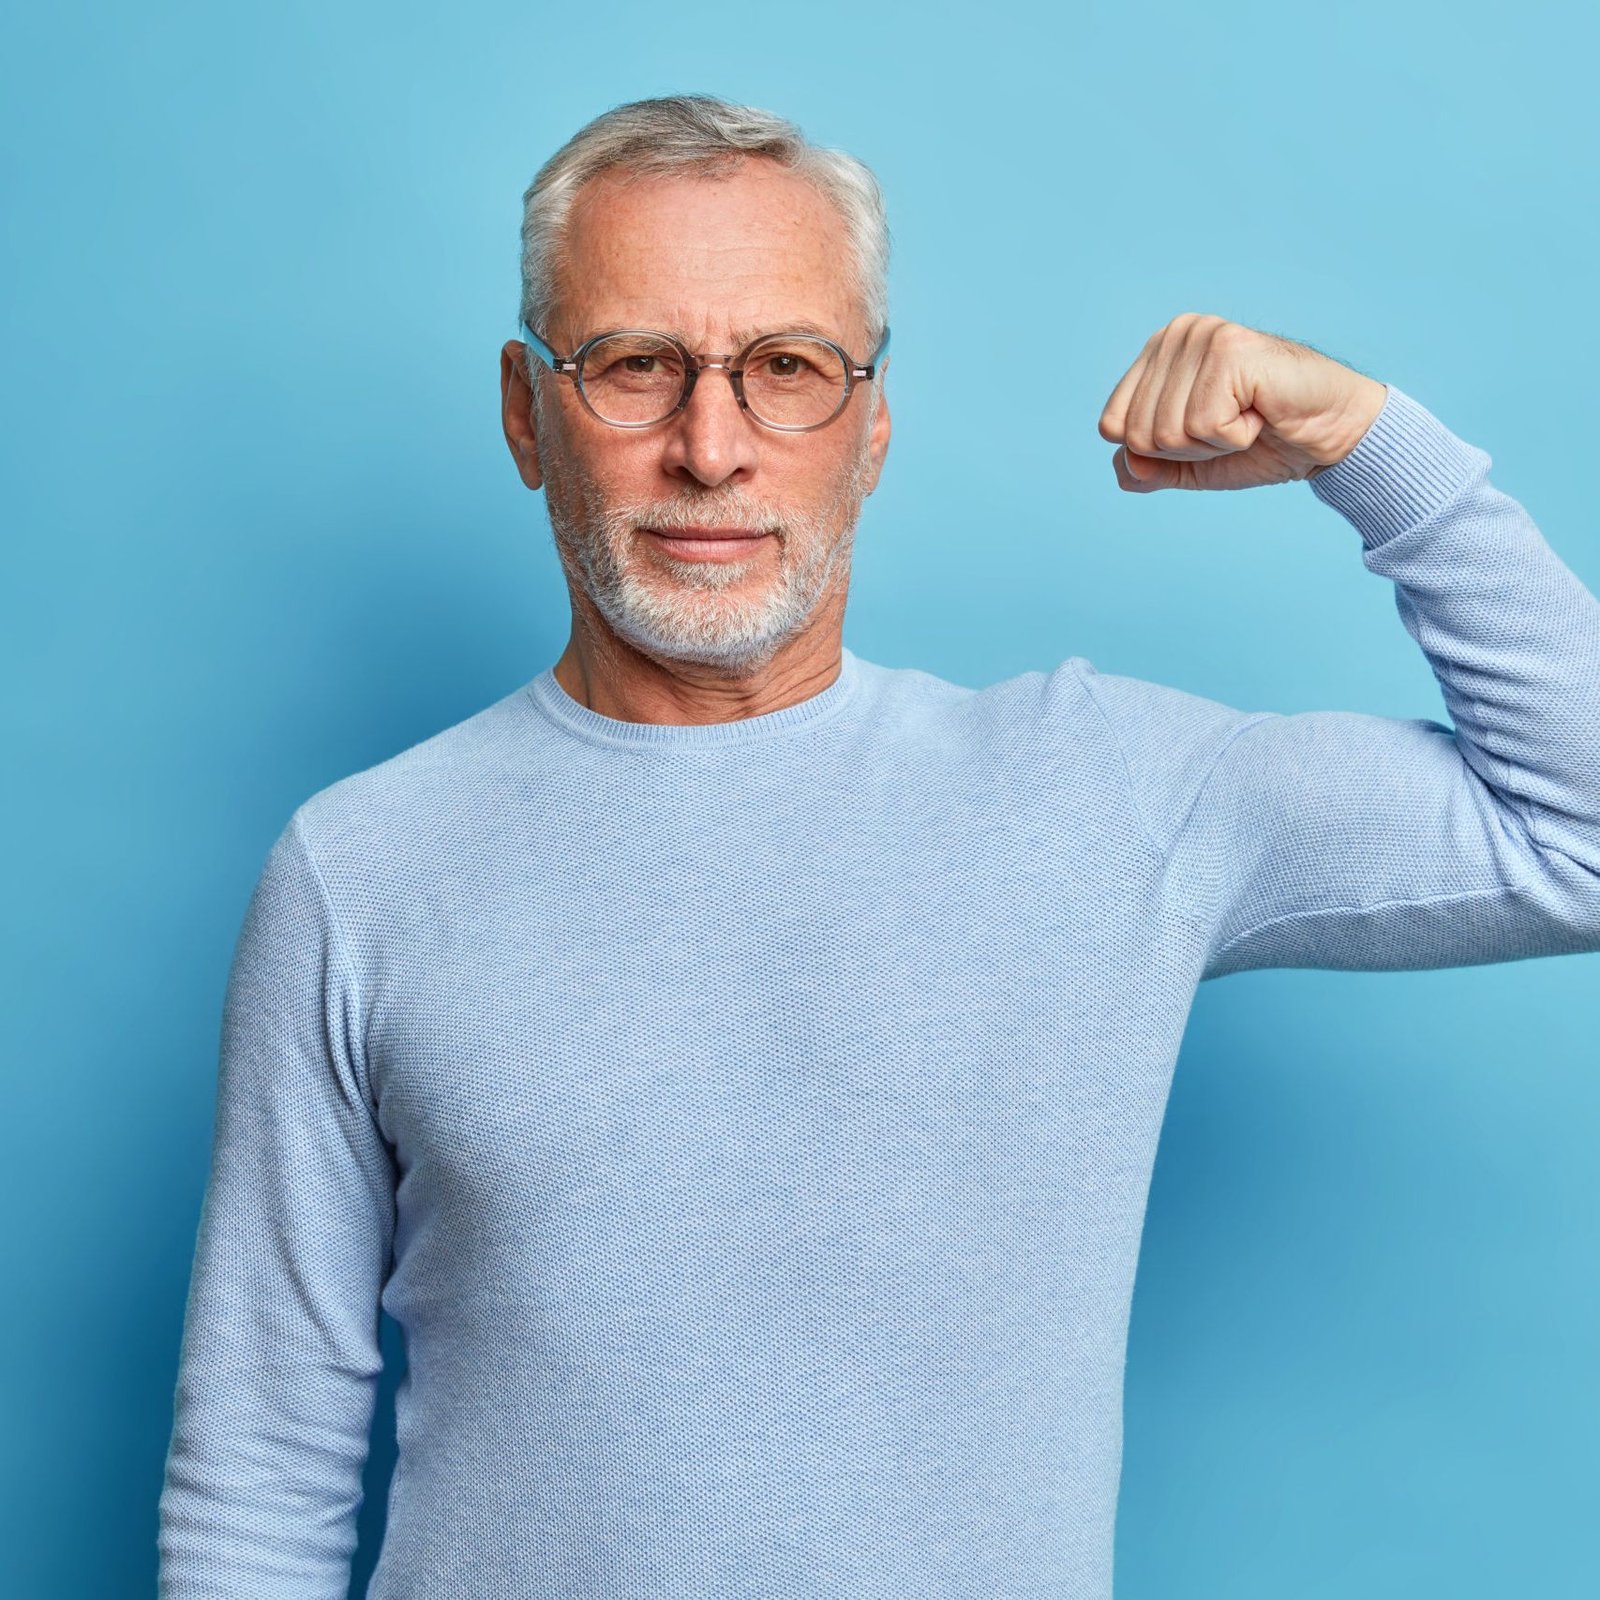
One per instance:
(1141, 474)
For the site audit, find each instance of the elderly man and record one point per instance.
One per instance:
(738, 1066)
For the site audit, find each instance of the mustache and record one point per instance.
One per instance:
(723, 511)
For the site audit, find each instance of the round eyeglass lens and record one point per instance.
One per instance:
(794, 381)
(632, 378)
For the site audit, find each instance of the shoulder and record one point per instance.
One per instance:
(1144, 715)
(1167, 739)
(1073, 734)
(419, 802)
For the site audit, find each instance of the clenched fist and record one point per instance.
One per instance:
(1210, 404)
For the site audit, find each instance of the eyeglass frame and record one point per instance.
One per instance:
(693, 365)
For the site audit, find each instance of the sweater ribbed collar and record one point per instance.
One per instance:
(572, 715)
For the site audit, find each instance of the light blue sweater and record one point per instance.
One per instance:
(750, 1125)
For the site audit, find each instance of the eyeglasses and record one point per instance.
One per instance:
(635, 378)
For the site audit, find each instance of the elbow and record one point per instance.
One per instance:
(1569, 890)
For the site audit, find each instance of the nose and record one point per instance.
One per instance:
(713, 438)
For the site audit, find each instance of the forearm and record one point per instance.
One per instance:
(281, 1358)
(1511, 633)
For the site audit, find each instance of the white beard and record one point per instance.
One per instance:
(679, 610)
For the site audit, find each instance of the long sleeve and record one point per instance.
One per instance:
(1348, 840)
(280, 1354)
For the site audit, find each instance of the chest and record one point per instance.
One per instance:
(754, 1018)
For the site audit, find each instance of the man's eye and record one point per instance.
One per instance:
(786, 366)
(638, 363)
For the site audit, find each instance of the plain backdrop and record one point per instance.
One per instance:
(261, 531)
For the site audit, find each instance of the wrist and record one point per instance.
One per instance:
(1367, 400)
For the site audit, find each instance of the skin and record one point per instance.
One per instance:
(714, 261)
(1207, 404)
(1211, 404)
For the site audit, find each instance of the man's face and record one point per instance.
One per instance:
(716, 262)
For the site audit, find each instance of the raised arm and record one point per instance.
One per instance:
(280, 1355)
(1344, 839)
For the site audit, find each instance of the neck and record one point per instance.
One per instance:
(610, 676)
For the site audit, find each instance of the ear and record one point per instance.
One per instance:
(516, 411)
(878, 438)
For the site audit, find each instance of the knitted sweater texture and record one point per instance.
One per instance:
(749, 1125)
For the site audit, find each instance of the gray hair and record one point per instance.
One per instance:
(699, 133)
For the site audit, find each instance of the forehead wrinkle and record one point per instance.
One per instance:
(740, 337)
(759, 305)
(626, 248)
(692, 291)
(785, 249)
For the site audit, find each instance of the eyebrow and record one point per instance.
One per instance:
(744, 336)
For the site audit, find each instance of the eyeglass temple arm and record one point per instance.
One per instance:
(871, 368)
(544, 352)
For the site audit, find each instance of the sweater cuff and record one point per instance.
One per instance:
(1406, 467)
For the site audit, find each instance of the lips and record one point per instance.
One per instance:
(698, 533)
(709, 544)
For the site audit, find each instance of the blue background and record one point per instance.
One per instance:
(263, 531)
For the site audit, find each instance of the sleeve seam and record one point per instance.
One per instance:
(1145, 831)
(346, 960)
(1211, 770)
(1375, 905)
(1441, 512)
(1523, 811)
